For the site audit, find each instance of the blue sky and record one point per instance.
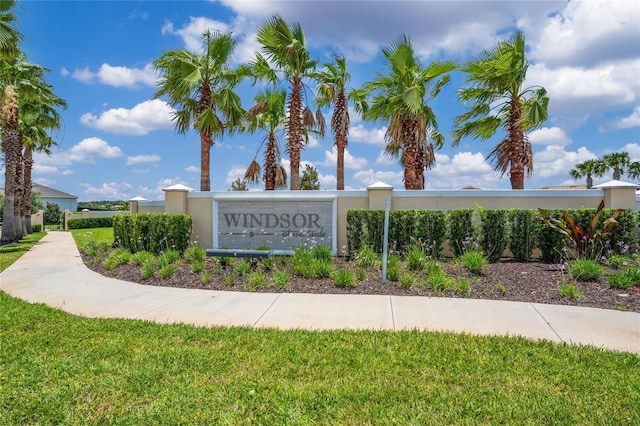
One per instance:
(117, 143)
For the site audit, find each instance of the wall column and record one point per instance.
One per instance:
(618, 194)
(175, 199)
(378, 194)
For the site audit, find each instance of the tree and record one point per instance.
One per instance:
(201, 87)
(634, 170)
(28, 111)
(401, 98)
(618, 162)
(268, 114)
(239, 185)
(285, 48)
(498, 100)
(9, 35)
(332, 90)
(588, 169)
(309, 180)
(52, 214)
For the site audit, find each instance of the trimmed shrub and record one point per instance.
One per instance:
(495, 233)
(522, 233)
(90, 222)
(153, 232)
(461, 230)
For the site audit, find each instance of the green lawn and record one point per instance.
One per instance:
(56, 368)
(12, 252)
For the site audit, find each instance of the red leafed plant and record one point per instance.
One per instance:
(583, 239)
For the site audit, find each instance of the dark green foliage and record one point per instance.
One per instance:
(461, 229)
(550, 242)
(36, 228)
(494, 232)
(52, 214)
(90, 222)
(522, 233)
(364, 228)
(152, 232)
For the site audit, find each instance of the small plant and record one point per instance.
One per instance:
(617, 261)
(432, 267)
(300, 262)
(322, 268)
(322, 253)
(205, 277)
(464, 286)
(406, 280)
(585, 270)
(416, 259)
(367, 257)
(93, 248)
(439, 282)
(197, 265)
(171, 256)
(268, 263)
(256, 280)
(116, 258)
(142, 257)
(619, 280)
(147, 270)
(343, 278)
(474, 262)
(243, 267)
(167, 271)
(280, 279)
(585, 241)
(195, 253)
(569, 291)
(229, 279)
(362, 274)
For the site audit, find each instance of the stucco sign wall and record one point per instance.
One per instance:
(278, 225)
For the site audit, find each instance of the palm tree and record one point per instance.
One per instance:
(9, 35)
(332, 90)
(401, 99)
(285, 48)
(38, 118)
(498, 100)
(24, 94)
(268, 114)
(634, 170)
(201, 88)
(588, 169)
(618, 161)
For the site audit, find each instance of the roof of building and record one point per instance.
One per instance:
(46, 192)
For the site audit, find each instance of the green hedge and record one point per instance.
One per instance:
(522, 231)
(153, 232)
(90, 222)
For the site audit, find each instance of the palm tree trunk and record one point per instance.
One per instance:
(26, 196)
(270, 164)
(518, 155)
(340, 144)
(11, 232)
(294, 136)
(589, 182)
(205, 161)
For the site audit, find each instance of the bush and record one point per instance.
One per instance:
(153, 232)
(474, 262)
(90, 222)
(495, 233)
(36, 228)
(343, 278)
(522, 233)
(461, 229)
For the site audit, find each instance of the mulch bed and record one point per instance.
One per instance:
(524, 282)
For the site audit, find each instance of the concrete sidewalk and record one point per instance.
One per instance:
(52, 272)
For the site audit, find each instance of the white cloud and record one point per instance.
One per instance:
(350, 162)
(192, 169)
(137, 121)
(192, 32)
(631, 120)
(107, 191)
(87, 150)
(385, 160)
(42, 169)
(549, 136)
(464, 169)
(370, 176)
(235, 172)
(554, 161)
(359, 133)
(138, 159)
(118, 76)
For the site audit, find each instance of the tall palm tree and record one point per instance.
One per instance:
(39, 117)
(401, 98)
(201, 88)
(268, 114)
(25, 92)
(498, 100)
(332, 90)
(588, 169)
(618, 162)
(285, 48)
(634, 170)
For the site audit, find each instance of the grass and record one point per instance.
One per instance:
(62, 369)
(11, 253)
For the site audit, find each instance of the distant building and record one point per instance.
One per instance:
(49, 195)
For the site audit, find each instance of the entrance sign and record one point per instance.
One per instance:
(279, 225)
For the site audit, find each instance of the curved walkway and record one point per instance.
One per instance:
(52, 272)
